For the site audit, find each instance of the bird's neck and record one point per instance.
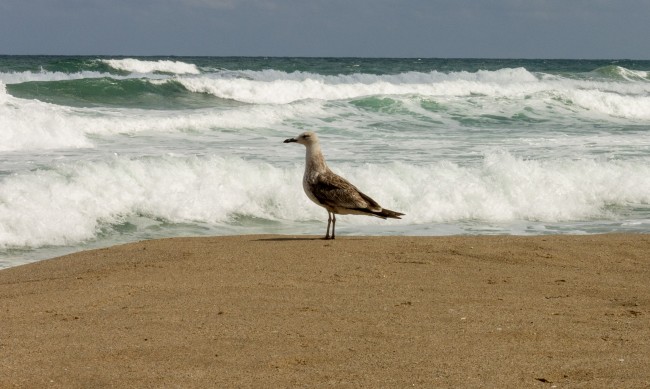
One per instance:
(315, 160)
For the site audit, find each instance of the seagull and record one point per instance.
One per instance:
(331, 191)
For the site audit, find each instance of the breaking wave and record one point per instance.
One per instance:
(73, 203)
(142, 66)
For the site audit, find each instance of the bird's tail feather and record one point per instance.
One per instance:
(387, 213)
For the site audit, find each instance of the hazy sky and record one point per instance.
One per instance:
(359, 28)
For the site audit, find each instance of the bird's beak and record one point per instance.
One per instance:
(290, 140)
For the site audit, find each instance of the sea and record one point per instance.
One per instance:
(97, 151)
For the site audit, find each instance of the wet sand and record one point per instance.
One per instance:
(376, 312)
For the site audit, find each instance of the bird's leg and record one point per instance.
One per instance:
(329, 221)
(333, 224)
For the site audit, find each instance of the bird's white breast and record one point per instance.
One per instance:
(306, 178)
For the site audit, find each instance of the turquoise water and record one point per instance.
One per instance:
(96, 151)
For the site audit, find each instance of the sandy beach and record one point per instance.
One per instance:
(377, 312)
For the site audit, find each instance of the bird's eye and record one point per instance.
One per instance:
(305, 136)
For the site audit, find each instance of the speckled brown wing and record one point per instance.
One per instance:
(335, 191)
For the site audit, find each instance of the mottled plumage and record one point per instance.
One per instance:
(331, 191)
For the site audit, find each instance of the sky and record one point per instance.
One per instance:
(582, 29)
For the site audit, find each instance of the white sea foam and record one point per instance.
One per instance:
(610, 103)
(506, 188)
(617, 99)
(633, 75)
(499, 76)
(32, 125)
(29, 76)
(274, 87)
(71, 203)
(141, 66)
(3, 93)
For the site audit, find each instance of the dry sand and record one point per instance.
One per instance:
(374, 312)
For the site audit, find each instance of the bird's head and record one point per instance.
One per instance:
(306, 138)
